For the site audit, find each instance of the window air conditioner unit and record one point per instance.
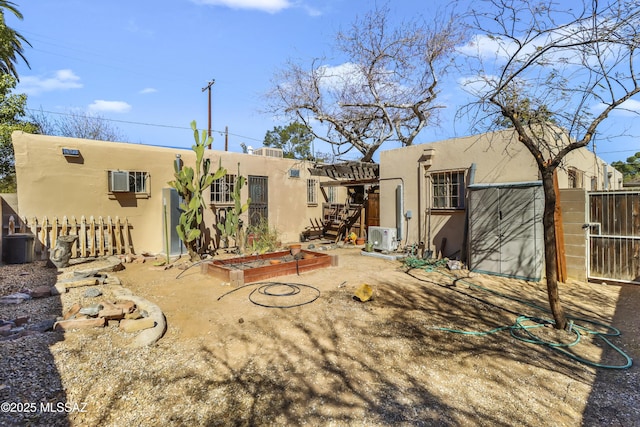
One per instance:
(383, 238)
(119, 181)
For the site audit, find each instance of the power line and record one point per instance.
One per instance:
(141, 123)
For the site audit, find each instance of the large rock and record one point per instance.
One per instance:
(64, 325)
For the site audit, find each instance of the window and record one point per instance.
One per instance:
(128, 181)
(448, 190)
(312, 192)
(575, 178)
(222, 189)
(332, 195)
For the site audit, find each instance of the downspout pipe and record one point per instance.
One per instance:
(400, 216)
(465, 240)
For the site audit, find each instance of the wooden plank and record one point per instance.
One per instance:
(44, 233)
(37, 245)
(54, 232)
(83, 237)
(118, 237)
(127, 238)
(109, 237)
(92, 236)
(74, 230)
(100, 234)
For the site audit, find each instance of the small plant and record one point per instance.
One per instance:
(264, 238)
(190, 184)
(232, 224)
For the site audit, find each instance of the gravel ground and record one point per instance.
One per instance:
(336, 361)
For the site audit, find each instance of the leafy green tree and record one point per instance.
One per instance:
(12, 108)
(630, 169)
(527, 114)
(294, 140)
(10, 41)
(191, 184)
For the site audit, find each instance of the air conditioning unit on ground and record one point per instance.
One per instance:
(383, 238)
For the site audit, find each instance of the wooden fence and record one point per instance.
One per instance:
(614, 236)
(95, 237)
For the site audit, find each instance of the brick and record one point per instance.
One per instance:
(65, 325)
(126, 306)
(109, 313)
(92, 281)
(130, 325)
(19, 321)
(41, 292)
(134, 316)
(75, 309)
(58, 289)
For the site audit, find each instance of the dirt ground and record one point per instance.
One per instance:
(385, 361)
(225, 360)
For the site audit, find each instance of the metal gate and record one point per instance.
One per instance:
(258, 191)
(614, 236)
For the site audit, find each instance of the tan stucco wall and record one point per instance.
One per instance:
(498, 157)
(51, 184)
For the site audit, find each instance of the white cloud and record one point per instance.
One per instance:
(271, 6)
(60, 80)
(100, 106)
(629, 108)
(336, 77)
(148, 90)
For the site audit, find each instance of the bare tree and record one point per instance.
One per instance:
(555, 73)
(76, 125)
(385, 90)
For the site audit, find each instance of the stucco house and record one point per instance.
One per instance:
(60, 177)
(478, 197)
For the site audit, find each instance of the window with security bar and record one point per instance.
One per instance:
(312, 192)
(447, 190)
(222, 189)
(128, 181)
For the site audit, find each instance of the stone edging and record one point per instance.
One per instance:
(148, 336)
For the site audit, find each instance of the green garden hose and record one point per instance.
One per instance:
(524, 326)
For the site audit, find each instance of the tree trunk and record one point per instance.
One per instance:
(550, 250)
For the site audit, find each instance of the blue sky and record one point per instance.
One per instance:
(144, 63)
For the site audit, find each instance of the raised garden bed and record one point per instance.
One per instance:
(254, 268)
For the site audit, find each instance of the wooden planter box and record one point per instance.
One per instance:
(254, 268)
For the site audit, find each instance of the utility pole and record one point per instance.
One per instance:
(208, 87)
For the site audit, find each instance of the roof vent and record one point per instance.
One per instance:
(269, 152)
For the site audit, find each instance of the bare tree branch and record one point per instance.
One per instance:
(384, 91)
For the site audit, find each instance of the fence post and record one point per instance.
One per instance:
(44, 232)
(92, 236)
(109, 238)
(127, 240)
(83, 236)
(118, 237)
(74, 230)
